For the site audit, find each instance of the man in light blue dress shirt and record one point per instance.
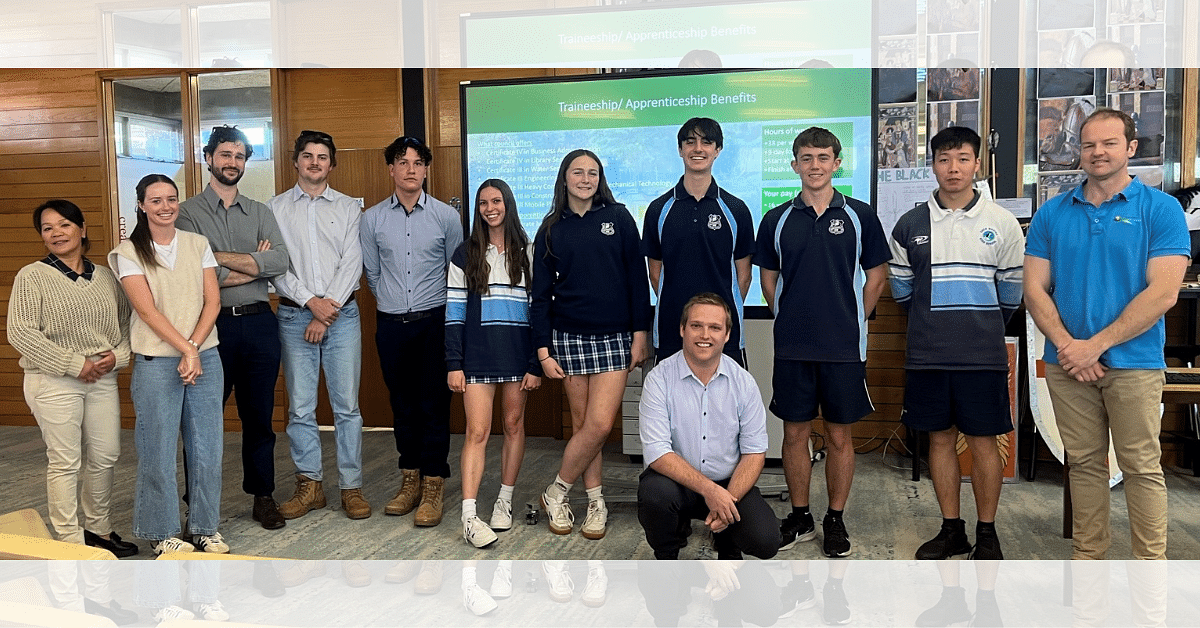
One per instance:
(704, 441)
(319, 326)
(407, 241)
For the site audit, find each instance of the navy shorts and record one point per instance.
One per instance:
(974, 401)
(838, 388)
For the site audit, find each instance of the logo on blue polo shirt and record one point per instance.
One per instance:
(1125, 219)
(837, 226)
(607, 228)
(988, 235)
(714, 222)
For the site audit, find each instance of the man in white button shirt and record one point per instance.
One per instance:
(319, 325)
(704, 441)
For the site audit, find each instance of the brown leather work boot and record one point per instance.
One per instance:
(430, 511)
(355, 504)
(309, 496)
(409, 494)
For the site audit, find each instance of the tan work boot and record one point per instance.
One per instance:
(309, 496)
(355, 504)
(430, 511)
(409, 494)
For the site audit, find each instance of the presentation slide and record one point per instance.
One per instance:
(779, 34)
(519, 132)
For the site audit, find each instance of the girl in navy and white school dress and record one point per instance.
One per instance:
(489, 347)
(591, 319)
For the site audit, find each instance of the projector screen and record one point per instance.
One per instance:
(771, 34)
(520, 131)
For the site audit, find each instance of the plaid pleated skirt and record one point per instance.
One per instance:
(587, 354)
(499, 379)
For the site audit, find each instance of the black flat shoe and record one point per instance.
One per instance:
(114, 544)
(119, 616)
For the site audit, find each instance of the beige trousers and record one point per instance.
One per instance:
(78, 421)
(1127, 402)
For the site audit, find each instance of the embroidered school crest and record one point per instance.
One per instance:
(837, 226)
(714, 222)
(987, 236)
(607, 228)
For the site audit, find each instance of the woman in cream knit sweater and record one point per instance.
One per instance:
(70, 321)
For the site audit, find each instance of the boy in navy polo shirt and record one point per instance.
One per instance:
(698, 238)
(956, 268)
(823, 262)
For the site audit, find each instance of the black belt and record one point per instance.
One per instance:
(409, 317)
(258, 307)
(290, 303)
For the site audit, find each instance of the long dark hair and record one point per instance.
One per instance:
(604, 195)
(515, 243)
(142, 244)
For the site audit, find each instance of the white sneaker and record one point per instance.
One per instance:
(597, 518)
(502, 580)
(559, 581)
(501, 515)
(477, 533)
(477, 600)
(166, 546)
(211, 543)
(213, 611)
(558, 514)
(173, 612)
(596, 591)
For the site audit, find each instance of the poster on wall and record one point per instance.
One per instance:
(1136, 79)
(1059, 121)
(1135, 11)
(896, 141)
(1051, 185)
(1148, 110)
(955, 113)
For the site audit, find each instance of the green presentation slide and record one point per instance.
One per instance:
(520, 132)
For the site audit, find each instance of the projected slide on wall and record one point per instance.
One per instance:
(520, 132)
(779, 34)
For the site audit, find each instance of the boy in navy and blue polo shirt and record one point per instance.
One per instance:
(823, 262)
(956, 268)
(698, 238)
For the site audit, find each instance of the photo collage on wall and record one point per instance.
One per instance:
(950, 73)
(1067, 95)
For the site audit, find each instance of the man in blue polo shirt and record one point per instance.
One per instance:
(1103, 264)
(698, 238)
(823, 262)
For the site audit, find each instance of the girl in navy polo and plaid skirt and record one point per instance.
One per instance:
(591, 317)
(488, 346)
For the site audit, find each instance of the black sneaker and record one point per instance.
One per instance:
(796, 529)
(951, 540)
(837, 541)
(837, 609)
(987, 611)
(798, 595)
(950, 609)
(987, 545)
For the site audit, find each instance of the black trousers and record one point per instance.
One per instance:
(250, 353)
(666, 588)
(665, 507)
(412, 356)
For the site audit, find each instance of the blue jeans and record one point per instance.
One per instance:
(340, 354)
(165, 408)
